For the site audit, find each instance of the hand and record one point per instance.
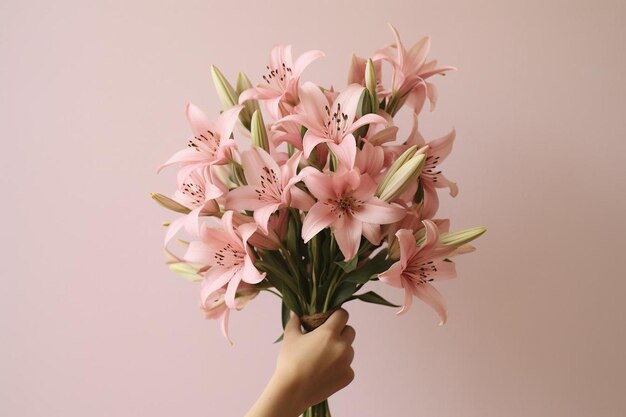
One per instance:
(317, 364)
(310, 367)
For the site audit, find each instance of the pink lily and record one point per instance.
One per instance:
(228, 255)
(214, 306)
(197, 194)
(269, 188)
(356, 72)
(346, 203)
(211, 143)
(410, 71)
(332, 124)
(431, 177)
(281, 82)
(419, 266)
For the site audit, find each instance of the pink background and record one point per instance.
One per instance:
(91, 101)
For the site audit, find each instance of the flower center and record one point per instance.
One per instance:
(207, 143)
(346, 204)
(420, 272)
(278, 77)
(271, 189)
(430, 168)
(229, 256)
(336, 124)
(193, 193)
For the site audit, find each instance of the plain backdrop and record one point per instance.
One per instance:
(92, 96)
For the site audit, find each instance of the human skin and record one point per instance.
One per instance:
(310, 367)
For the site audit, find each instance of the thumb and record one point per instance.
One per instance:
(293, 326)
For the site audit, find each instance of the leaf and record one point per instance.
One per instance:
(343, 293)
(419, 195)
(373, 298)
(285, 315)
(280, 338)
(291, 300)
(348, 266)
(374, 266)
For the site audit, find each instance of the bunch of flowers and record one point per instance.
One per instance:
(310, 193)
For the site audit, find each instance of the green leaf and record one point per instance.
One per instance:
(372, 297)
(374, 266)
(350, 265)
(343, 293)
(285, 316)
(280, 338)
(419, 195)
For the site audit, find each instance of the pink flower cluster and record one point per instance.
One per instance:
(287, 158)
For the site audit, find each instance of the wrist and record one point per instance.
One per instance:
(289, 390)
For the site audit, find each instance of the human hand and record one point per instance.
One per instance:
(310, 367)
(315, 365)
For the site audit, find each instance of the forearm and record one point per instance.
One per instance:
(280, 399)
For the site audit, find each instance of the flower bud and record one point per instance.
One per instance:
(462, 237)
(170, 204)
(258, 131)
(406, 155)
(370, 83)
(249, 106)
(406, 175)
(228, 96)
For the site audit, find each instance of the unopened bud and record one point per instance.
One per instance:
(227, 94)
(259, 132)
(405, 175)
(168, 203)
(249, 106)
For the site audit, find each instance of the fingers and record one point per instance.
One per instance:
(293, 325)
(337, 321)
(348, 334)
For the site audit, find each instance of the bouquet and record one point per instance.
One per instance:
(311, 193)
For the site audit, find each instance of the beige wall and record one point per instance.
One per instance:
(91, 101)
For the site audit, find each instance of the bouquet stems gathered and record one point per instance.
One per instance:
(311, 193)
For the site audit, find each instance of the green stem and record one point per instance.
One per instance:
(318, 410)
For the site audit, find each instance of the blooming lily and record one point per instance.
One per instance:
(346, 203)
(197, 194)
(334, 123)
(410, 71)
(280, 88)
(431, 177)
(419, 266)
(211, 143)
(269, 188)
(228, 256)
(214, 306)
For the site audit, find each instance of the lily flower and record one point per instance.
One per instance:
(419, 266)
(198, 195)
(431, 177)
(280, 87)
(410, 71)
(332, 124)
(229, 258)
(269, 188)
(215, 307)
(211, 143)
(346, 203)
